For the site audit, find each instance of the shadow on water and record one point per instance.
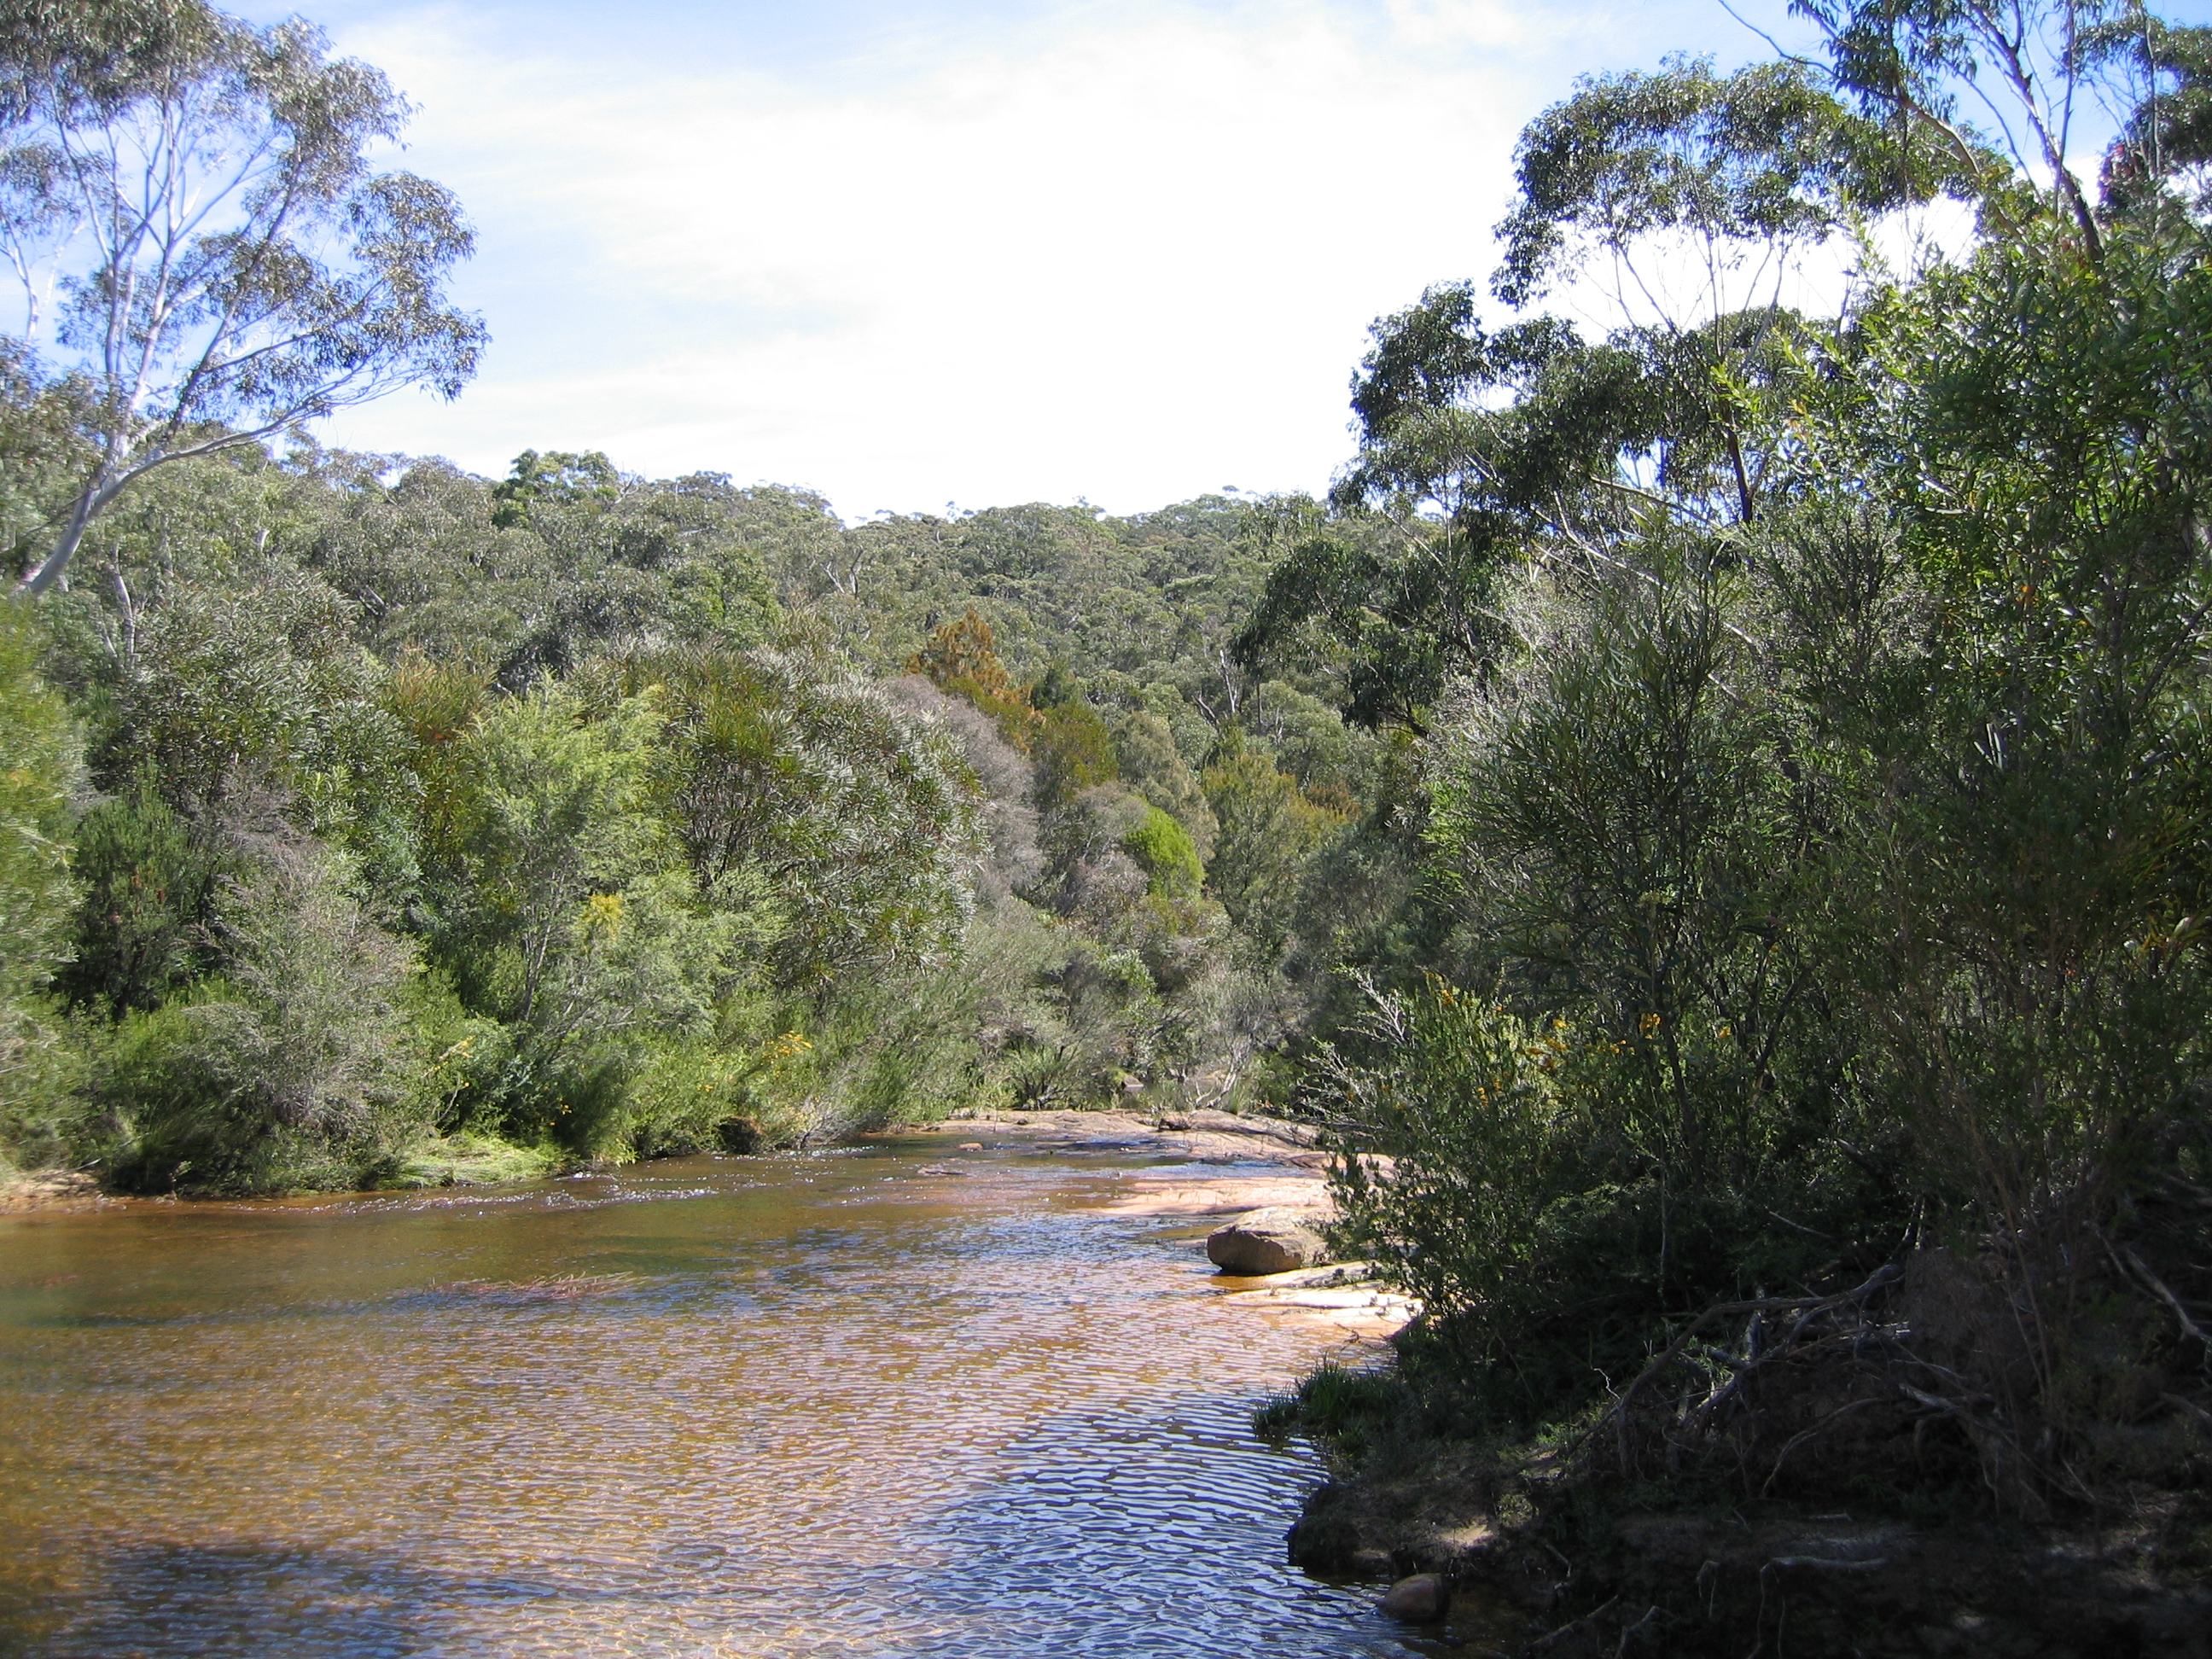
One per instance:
(182, 1601)
(1182, 1502)
(177, 1600)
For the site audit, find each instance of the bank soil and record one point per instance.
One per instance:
(48, 1190)
(1764, 1583)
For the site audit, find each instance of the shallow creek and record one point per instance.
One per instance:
(894, 1399)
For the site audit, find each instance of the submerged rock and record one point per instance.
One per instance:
(1263, 1241)
(1421, 1600)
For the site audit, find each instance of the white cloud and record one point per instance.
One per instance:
(1131, 257)
(1431, 25)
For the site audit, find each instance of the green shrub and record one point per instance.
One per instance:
(802, 792)
(149, 879)
(690, 1096)
(299, 1068)
(1347, 1407)
(1073, 751)
(1151, 765)
(1163, 848)
(264, 685)
(1269, 834)
(464, 1159)
(1529, 1202)
(38, 763)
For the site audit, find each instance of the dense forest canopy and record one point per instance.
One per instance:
(599, 780)
(1707, 809)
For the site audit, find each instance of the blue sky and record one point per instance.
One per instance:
(964, 251)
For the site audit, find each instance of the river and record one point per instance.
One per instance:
(895, 1400)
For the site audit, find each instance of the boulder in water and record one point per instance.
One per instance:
(1263, 1241)
(1421, 1600)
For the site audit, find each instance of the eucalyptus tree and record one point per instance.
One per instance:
(1688, 200)
(783, 775)
(2163, 151)
(2028, 65)
(1692, 200)
(206, 253)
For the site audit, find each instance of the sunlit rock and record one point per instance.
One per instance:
(1275, 1241)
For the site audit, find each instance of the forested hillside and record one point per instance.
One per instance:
(418, 824)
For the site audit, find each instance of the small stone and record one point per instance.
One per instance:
(970, 1146)
(1421, 1600)
(1264, 1242)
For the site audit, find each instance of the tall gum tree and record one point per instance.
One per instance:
(205, 254)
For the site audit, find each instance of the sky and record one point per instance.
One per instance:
(964, 253)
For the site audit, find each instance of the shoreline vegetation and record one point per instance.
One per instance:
(1702, 831)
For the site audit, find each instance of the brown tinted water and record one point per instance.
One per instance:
(888, 1401)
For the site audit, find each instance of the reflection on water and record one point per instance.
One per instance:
(853, 1403)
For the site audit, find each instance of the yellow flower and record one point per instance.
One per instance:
(784, 1047)
(603, 913)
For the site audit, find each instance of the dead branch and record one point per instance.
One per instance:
(2158, 1287)
(1803, 1435)
(1805, 1306)
(1826, 1564)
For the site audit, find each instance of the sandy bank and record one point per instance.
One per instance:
(1340, 1295)
(1203, 1137)
(50, 1190)
(1298, 1179)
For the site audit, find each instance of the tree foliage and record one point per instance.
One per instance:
(202, 242)
(38, 763)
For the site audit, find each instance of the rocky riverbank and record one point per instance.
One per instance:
(1204, 1137)
(1763, 1580)
(1533, 1556)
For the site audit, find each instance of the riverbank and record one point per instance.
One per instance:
(465, 1161)
(1204, 1137)
(1596, 1541)
(1550, 1543)
(1595, 1573)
